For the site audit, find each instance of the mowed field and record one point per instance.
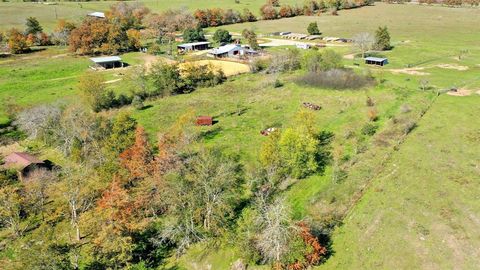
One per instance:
(13, 14)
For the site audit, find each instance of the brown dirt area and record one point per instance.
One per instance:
(411, 71)
(462, 92)
(453, 66)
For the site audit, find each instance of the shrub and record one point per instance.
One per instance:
(277, 83)
(258, 65)
(372, 114)
(313, 29)
(336, 79)
(370, 102)
(137, 103)
(193, 35)
(369, 129)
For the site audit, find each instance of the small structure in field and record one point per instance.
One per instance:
(194, 46)
(304, 46)
(231, 51)
(295, 36)
(204, 121)
(311, 106)
(268, 131)
(376, 61)
(24, 163)
(313, 37)
(97, 14)
(107, 62)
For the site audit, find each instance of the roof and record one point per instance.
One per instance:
(375, 59)
(225, 49)
(21, 159)
(194, 44)
(106, 59)
(97, 14)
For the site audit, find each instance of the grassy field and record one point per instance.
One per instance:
(13, 14)
(423, 209)
(411, 197)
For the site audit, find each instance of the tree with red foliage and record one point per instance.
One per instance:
(138, 158)
(286, 11)
(89, 36)
(318, 251)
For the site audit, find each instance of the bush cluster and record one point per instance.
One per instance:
(336, 79)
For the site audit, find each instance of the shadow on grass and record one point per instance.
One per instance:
(212, 133)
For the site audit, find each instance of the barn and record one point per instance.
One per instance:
(195, 46)
(107, 62)
(376, 61)
(231, 51)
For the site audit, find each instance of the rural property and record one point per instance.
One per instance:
(240, 134)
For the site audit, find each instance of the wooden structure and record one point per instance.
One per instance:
(24, 163)
(376, 61)
(107, 62)
(204, 121)
(195, 46)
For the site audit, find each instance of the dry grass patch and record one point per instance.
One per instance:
(229, 68)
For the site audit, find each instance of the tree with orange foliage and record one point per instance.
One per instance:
(17, 42)
(138, 158)
(318, 251)
(89, 36)
(286, 11)
(268, 12)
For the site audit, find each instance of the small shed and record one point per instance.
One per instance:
(194, 46)
(24, 163)
(107, 62)
(97, 14)
(204, 121)
(376, 61)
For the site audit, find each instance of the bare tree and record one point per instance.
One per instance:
(37, 122)
(37, 186)
(274, 237)
(364, 41)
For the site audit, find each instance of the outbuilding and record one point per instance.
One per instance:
(107, 62)
(204, 121)
(231, 51)
(376, 61)
(194, 46)
(24, 163)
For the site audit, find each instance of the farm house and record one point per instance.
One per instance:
(107, 62)
(195, 46)
(376, 61)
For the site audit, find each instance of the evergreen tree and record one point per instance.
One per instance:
(313, 29)
(382, 39)
(33, 26)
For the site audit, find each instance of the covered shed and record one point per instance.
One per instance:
(194, 46)
(24, 163)
(376, 61)
(107, 62)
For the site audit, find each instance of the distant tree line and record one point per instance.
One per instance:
(450, 3)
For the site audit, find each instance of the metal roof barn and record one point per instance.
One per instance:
(108, 61)
(194, 46)
(376, 61)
